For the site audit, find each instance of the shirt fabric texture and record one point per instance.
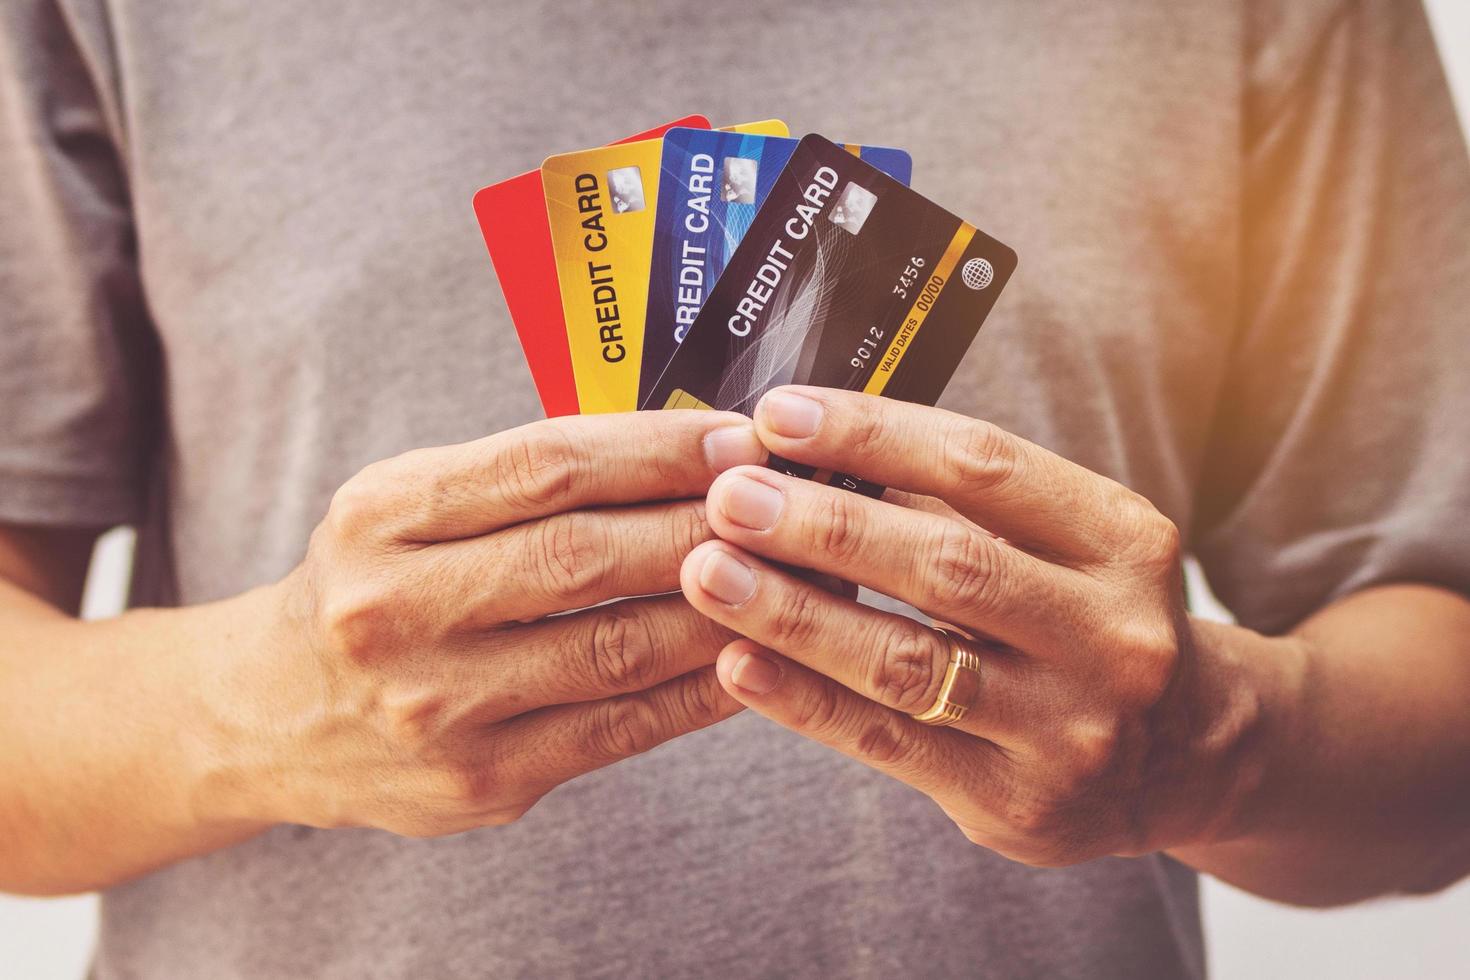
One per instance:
(238, 263)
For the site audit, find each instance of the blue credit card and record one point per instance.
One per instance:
(710, 186)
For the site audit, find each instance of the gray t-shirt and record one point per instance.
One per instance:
(238, 262)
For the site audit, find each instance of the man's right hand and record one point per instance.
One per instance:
(417, 677)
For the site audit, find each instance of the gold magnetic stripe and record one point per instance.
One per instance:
(682, 399)
(911, 324)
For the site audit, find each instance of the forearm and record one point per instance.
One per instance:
(105, 750)
(1348, 769)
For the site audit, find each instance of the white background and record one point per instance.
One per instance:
(1248, 938)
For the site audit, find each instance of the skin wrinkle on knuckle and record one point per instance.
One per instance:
(698, 703)
(836, 526)
(979, 457)
(966, 570)
(908, 671)
(866, 433)
(691, 528)
(819, 713)
(619, 728)
(670, 462)
(577, 553)
(882, 743)
(537, 467)
(623, 650)
(796, 616)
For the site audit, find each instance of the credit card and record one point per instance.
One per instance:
(711, 184)
(600, 206)
(761, 127)
(846, 279)
(512, 218)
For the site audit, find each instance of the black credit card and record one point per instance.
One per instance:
(846, 279)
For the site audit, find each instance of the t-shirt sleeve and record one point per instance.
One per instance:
(77, 357)
(1340, 454)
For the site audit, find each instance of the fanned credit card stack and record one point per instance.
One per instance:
(691, 267)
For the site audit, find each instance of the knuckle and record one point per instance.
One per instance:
(669, 463)
(966, 573)
(699, 703)
(979, 456)
(623, 651)
(1148, 661)
(837, 525)
(537, 468)
(619, 728)
(1151, 541)
(357, 505)
(1033, 818)
(1091, 751)
(906, 674)
(796, 617)
(690, 528)
(820, 713)
(472, 787)
(882, 743)
(413, 718)
(358, 625)
(867, 434)
(574, 553)
(1156, 543)
(437, 485)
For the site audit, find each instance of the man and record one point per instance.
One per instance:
(238, 268)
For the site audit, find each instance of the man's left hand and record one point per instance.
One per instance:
(1097, 728)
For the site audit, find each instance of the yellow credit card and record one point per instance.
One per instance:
(765, 127)
(600, 204)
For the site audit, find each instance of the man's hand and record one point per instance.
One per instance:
(417, 677)
(444, 656)
(1095, 731)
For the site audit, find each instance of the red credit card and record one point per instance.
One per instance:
(512, 216)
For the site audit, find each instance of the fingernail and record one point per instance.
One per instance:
(751, 503)
(789, 414)
(727, 578)
(755, 674)
(730, 446)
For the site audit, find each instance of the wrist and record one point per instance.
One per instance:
(1244, 693)
(234, 752)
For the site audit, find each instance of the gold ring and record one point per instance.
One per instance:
(961, 683)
